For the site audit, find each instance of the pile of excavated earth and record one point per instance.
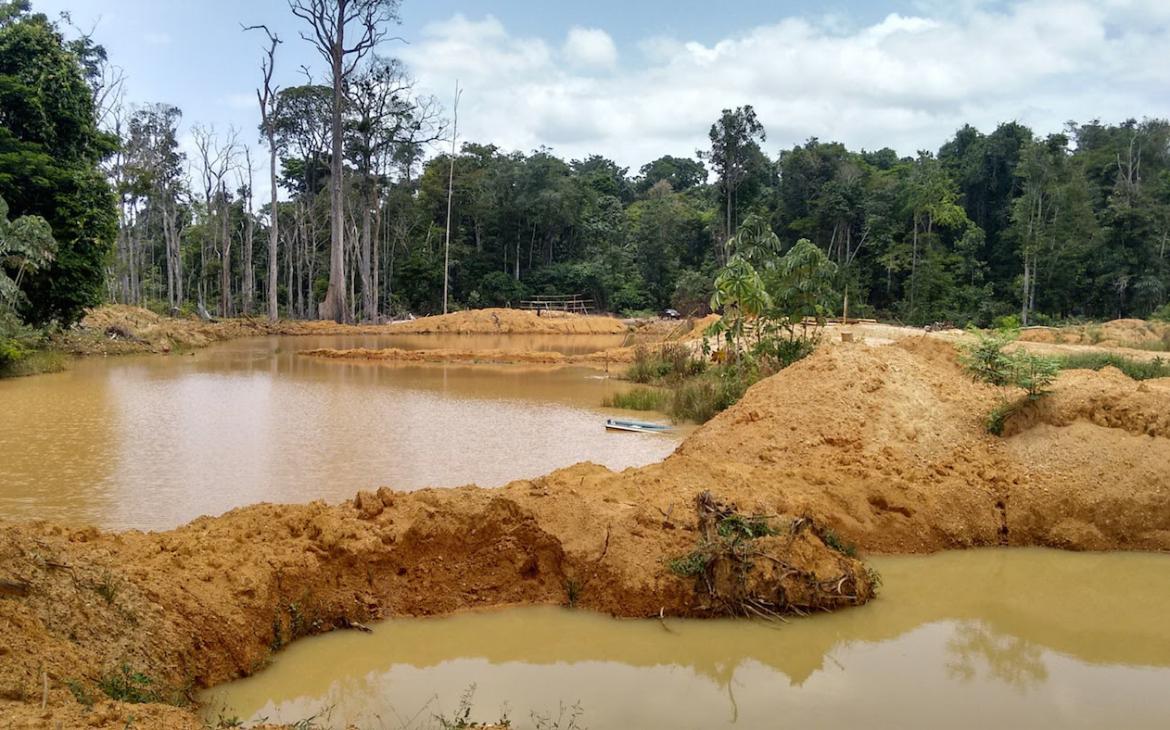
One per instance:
(879, 447)
(122, 329)
(650, 336)
(1129, 333)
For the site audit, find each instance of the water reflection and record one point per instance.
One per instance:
(975, 639)
(152, 442)
(975, 646)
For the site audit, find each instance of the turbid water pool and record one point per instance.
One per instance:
(153, 441)
(978, 639)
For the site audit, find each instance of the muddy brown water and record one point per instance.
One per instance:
(151, 442)
(975, 639)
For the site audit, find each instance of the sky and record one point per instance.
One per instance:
(637, 79)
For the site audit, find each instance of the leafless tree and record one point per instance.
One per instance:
(267, 97)
(217, 158)
(249, 282)
(330, 21)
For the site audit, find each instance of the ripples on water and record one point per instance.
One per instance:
(154, 441)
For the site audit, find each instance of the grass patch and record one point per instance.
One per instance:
(35, 362)
(997, 419)
(108, 588)
(691, 565)
(80, 693)
(670, 362)
(126, 685)
(572, 592)
(701, 398)
(836, 542)
(638, 399)
(1136, 369)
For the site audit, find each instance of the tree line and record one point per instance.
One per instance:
(1042, 227)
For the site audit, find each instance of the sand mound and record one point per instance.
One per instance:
(121, 329)
(1107, 398)
(1125, 333)
(883, 446)
(511, 321)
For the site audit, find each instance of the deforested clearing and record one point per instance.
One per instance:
(883, 447)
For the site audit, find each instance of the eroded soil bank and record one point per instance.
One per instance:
(881, 447)
(121, 329)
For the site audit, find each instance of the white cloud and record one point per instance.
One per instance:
(908, 81)
(590, 48)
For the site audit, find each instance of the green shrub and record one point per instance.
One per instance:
(1162, 314)
(836, 542)
(1007, 323)
(691, 565)
(671, 362)
(783, 352)
(997, 419)
(127, 685)
(986, 361)
(1034, 373)
(647, 367)
(638, 399)
(700, 399)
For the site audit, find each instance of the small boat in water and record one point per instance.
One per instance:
(613, 424)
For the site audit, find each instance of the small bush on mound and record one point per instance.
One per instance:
(127, 685)
(1136, 369)
(671, 362)
(986, 361)
(997, 419)
(638, 399)
(700, 399)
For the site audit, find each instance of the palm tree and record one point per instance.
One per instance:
(26, 245)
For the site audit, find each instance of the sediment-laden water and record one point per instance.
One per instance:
(977, 639)
(151, 442)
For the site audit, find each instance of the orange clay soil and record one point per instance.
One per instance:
(615, 356)
(883, 445)
(1126, 333)
(119, 329)
(510, 321)
(649, 336)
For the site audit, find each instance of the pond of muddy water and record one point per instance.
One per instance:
(978, 639)
(154, 441)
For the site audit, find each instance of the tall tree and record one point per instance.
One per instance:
(51, 150)
(733, 138)
(383, 115)
(267, 97)
(330, 21)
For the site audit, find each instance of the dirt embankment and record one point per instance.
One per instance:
(649, 335)
(882, 447)
(117, 329)
(510, 321)
(121, 329)
(1137, 334)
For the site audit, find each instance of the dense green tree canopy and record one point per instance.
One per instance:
(50, 152)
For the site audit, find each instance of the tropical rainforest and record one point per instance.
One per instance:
(100, 204)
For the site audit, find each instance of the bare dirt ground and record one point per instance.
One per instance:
(121, 329)
(510, 321)
(647, 334)
(1120, 333)
(884, 446)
